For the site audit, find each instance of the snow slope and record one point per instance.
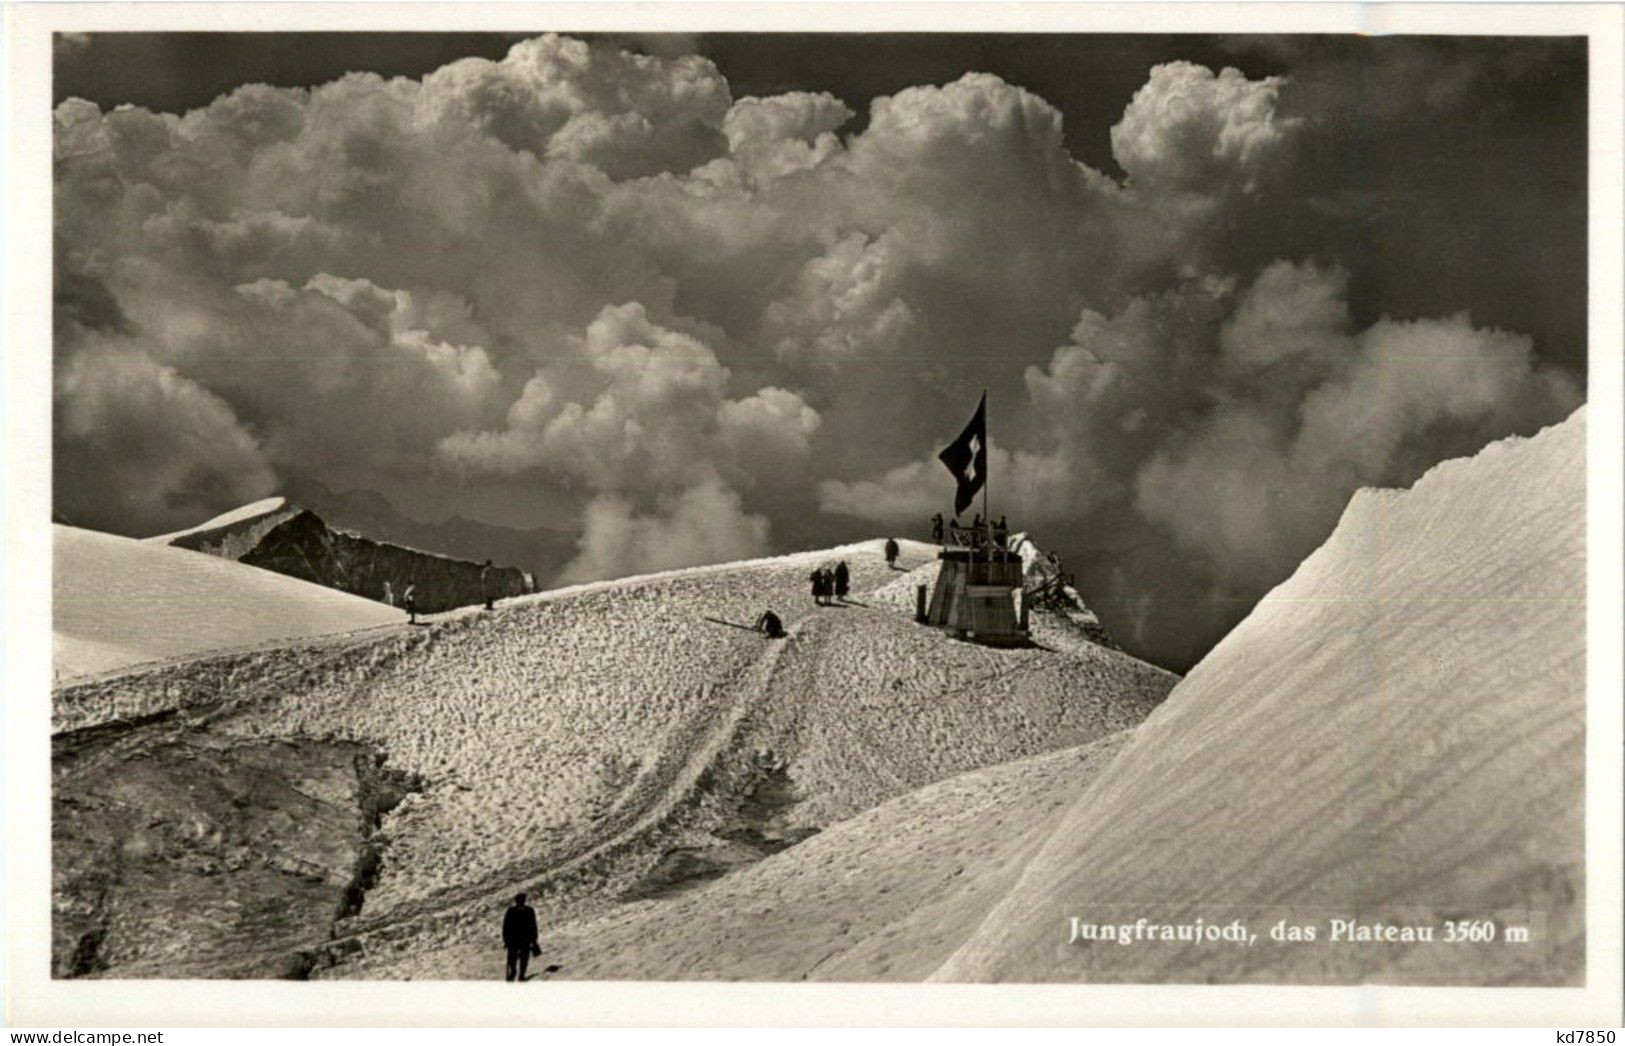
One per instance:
(240, 514)
(1394, 734)
(118, 602)
(570, 742)
(882, 896)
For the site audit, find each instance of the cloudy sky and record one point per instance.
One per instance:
(706, 297)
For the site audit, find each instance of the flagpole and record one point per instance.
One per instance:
(987, 516)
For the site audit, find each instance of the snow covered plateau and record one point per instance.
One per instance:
(1394, 734)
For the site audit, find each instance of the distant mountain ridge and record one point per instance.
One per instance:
(541, 551)
(279, 535)
(119, 602)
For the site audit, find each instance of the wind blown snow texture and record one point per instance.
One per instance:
(882, 896)
(1397, 728)
(568, 740)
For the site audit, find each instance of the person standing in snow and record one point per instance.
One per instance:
(892, 550)
(770, 625)
(520, 936)
(485, 585)
(817, 579)
(409, 600)
(389, 594)
(843, 581)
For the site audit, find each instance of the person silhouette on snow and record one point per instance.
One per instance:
(892, 550)
(485, 585)
(843, 581)
(519, 936)
(409, 600)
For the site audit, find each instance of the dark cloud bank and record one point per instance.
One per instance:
(654, 293)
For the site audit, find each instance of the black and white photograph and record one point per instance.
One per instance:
(936, 506)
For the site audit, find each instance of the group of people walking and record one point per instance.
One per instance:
(830, 584)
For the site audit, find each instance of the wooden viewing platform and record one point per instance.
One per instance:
(975, 596)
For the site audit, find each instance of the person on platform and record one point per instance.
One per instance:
(892, 550)
(1001, 533)
(936, 528)
(520, 937)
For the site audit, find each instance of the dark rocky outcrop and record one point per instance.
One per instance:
(541, 551)
(297, 542)
(194, 853)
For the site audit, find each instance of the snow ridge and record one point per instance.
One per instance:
(1396, 728)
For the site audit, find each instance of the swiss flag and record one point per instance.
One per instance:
(966, 458)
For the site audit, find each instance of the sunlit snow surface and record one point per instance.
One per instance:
(567, 742)
(240, 514)
(118, 602)
(1395, 733)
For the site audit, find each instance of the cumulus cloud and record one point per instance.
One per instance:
(845, 307)
(767, 431)
(1236, 421)
(1290, 311)
(139, 444)
(1191, 129)
(703, 524)
(778, 135)
(553, 97)
(661, 419)
(1034, 489)
(1254, 485)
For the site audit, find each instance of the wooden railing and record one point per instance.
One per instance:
(976, 537)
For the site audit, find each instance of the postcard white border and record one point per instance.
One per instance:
(33, 999)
